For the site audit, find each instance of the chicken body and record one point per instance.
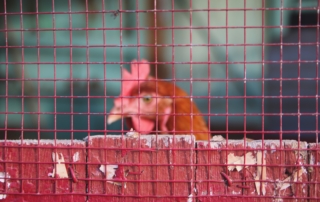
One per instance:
(159, 106)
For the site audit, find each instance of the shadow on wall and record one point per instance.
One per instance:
(299, 96)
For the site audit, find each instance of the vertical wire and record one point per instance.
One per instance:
(7, 70)
(263, 76)
(121, 61)
(281, 67)
(104, 83)
(71, 82)
(22, 93)
(173, 77)
(70, 71)
(317, 101)
(87, 64)
(191, 65)
(210, 168)
(262, 70)
(317, 72)
(299, 83)
(22, 72)
(299, 67)
(191, 82)
(244, 83)
(227, 87)
(280, 83)
(4, 152)
(156, 75)
(139, 81)
(209, 65)
(104, 67)
(299, 72)
(245, 72)
(123, 143)
(54, 85)
(38, 96)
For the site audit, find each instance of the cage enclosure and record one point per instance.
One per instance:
(211, 100)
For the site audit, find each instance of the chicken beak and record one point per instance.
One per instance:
(115, 115)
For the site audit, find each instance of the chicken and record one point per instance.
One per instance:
(152, 105)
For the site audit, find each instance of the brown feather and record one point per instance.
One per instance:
(182, 121)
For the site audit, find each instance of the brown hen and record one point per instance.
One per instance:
(156, 106)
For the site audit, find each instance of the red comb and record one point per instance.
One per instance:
(139, 73)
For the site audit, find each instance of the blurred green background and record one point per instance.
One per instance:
(60, 60)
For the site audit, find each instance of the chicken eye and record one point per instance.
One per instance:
(147, 98)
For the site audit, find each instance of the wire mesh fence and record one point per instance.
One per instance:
(159, 100)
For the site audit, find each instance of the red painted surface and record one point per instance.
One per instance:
(103, 151)
(314, 170)
(281, 163)
(158, 168)
(27, 165)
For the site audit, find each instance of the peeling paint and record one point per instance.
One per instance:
(3, 178)
(60, 168)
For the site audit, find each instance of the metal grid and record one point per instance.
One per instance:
(250, 66)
